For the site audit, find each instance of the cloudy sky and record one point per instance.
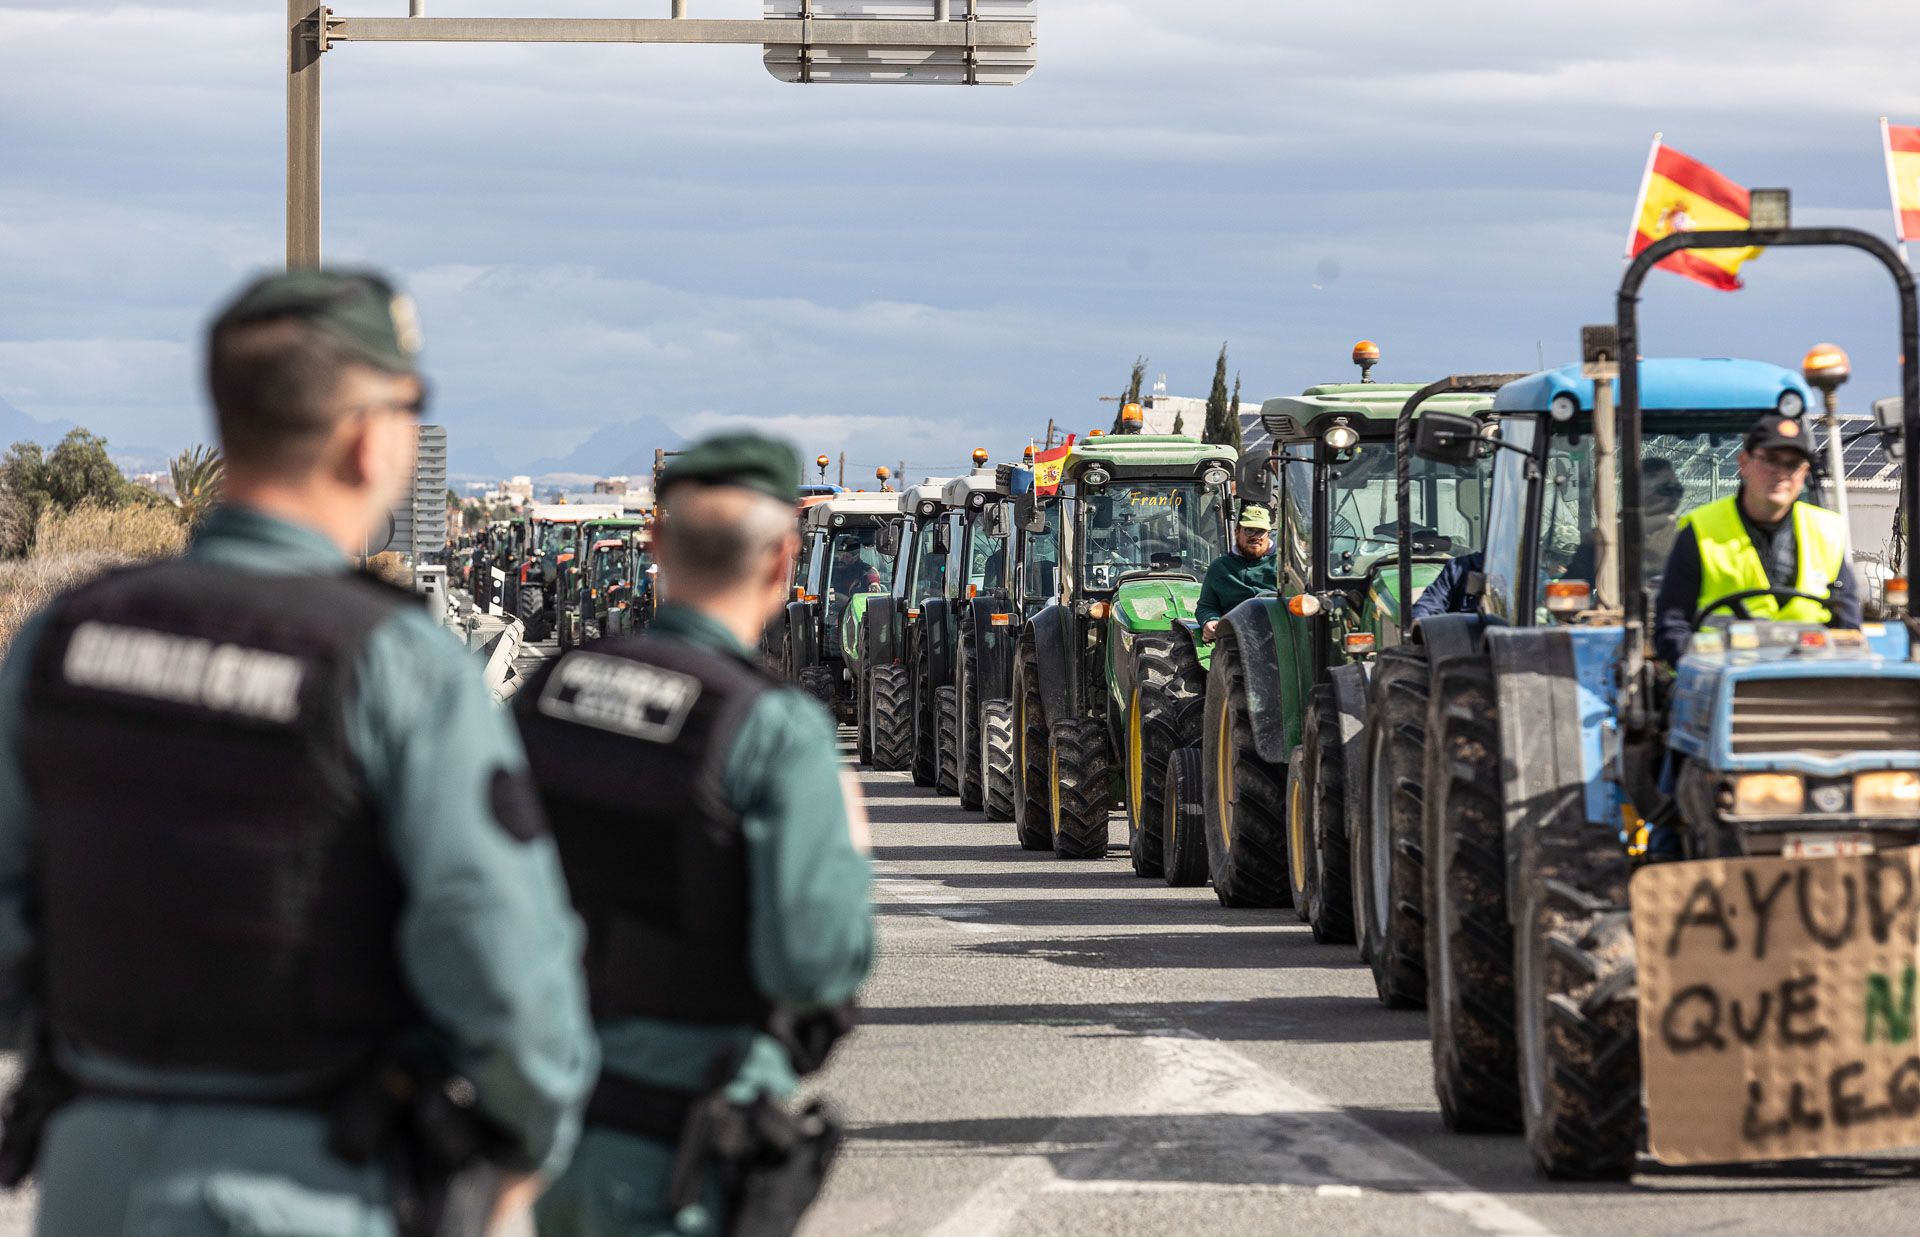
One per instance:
(598, 234)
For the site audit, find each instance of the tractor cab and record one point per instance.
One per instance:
(842, 566)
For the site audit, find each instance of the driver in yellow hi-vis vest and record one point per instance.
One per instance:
(1789, 557)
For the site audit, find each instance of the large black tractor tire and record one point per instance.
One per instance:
(1387, 865)
(530, 609)
(946, 755)
(563, 627)
(1476, 1070)
(1245, 803)
(971, 761)
(890, 714)
(997, 755)
(1578, 1008)
(862, 718)
(1032, 801)
(1162, 716)
(1185, 829)
(819, 682)
(922, 738)
(1079, 765)
(1324, 760)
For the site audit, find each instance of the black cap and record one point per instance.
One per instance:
(359, 309)
(1781, 431)
(750, 461)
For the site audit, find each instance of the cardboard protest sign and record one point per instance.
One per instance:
(1777, 1006)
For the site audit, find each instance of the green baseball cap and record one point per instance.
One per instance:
(750, 461)
(360, 310)
(1255, 517)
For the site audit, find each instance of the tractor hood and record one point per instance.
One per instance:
(1797, 698)
(1155, 604)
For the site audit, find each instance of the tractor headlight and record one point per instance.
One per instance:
(1887, 792)
(1563, 406)
(1215, 476)
(1094, 478)
(1791, 405)
(1769, 794)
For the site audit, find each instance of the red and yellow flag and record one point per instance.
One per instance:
(1047, 467)
(1903, 176)
(1682, 194)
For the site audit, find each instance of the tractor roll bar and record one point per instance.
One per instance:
(1465, 384)
(1632, 569)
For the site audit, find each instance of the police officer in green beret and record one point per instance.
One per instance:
(280, 922)
(717, 850)
(1242, 572)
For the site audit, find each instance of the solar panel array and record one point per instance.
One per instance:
(1864, 459)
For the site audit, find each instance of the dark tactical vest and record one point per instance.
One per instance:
(629, 743)
(216, 889)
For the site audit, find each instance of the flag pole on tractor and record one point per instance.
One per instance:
(1640, 200)
(1901, 143)
(1047, 467)
(1682, 194)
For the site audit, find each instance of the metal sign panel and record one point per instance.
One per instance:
(978, 62)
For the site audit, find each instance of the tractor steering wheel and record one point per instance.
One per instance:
(1737, 602)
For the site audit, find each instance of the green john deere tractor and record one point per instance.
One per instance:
(1287, 688)
(1106, 679)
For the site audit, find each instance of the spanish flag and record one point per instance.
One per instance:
(1680, 194)
(1902, 143)
(1047, 467)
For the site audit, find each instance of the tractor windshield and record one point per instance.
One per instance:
(1445, 506)
(1131, 526)
(849, 563)
(929, 575)
(986, 554)
(609, 562)
(1687, 461)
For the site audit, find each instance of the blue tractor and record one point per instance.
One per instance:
(1554, 738)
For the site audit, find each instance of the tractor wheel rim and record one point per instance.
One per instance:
(1297, 832)
(1136, 766)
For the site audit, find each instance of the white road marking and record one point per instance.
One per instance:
(930, 900)
(1303, 1144)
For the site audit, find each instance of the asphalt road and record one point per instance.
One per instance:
(1057, 1047)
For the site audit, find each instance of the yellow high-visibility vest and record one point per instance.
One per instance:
(1729, 563)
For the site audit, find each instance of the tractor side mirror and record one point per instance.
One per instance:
(1037, 519)
(1470, 499)
(942, 538)
(1000, 522)
(1447, 438)
(887, 539)
(1889, 417)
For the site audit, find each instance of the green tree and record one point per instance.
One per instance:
(1223, 420)
(1132, 395)
(79, 470)
(197, 475)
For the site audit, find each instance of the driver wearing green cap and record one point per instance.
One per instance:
(1243, 572)
(718, 853)
(272, 874)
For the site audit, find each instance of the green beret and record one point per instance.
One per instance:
(750, 461)
(360, 310)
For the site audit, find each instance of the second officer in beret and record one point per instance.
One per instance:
(717, 851)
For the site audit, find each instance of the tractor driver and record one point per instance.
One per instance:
(1243, 572)
(1762, 537)
(852, 573)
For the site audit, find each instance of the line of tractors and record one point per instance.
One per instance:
(1465, 798)
(573, 572)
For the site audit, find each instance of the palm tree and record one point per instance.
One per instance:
(197, 474)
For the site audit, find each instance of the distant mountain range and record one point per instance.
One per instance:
(625, 449)
(17, 426)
